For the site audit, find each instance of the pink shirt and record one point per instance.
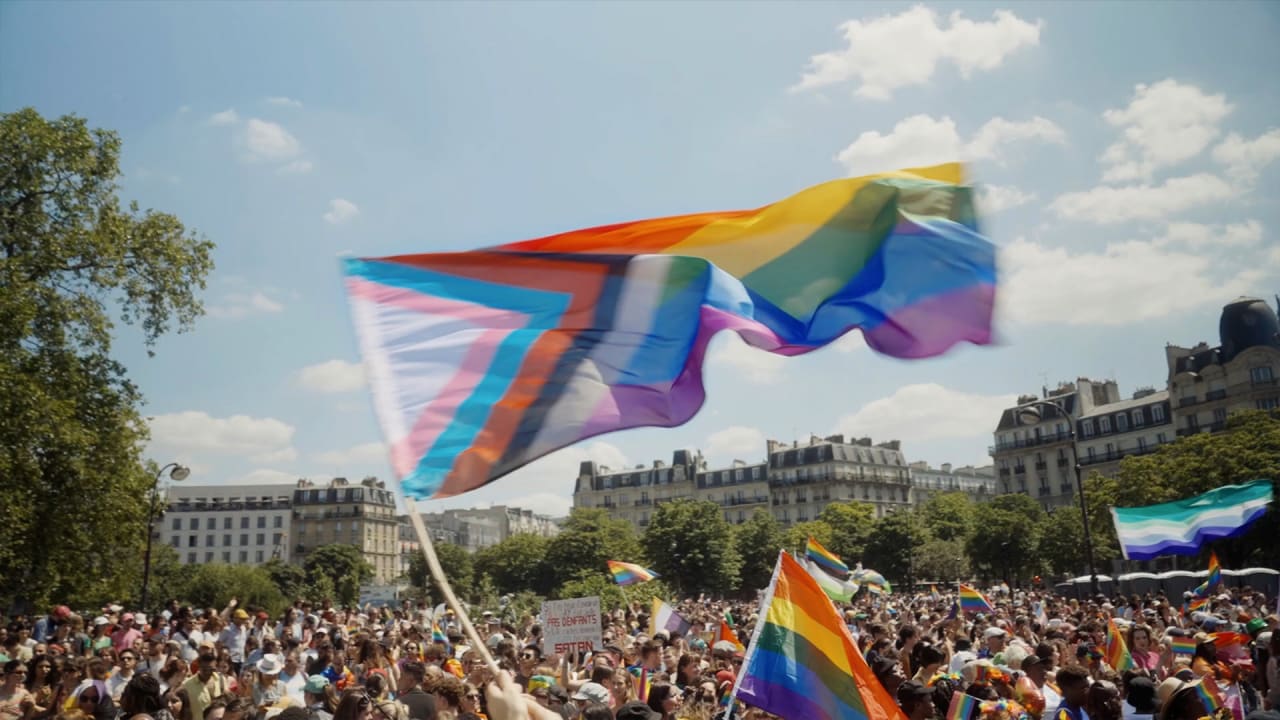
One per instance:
(123, 639)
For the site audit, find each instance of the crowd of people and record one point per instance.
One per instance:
(1037, 656)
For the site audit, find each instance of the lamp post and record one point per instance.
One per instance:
(177, 473)
(1032, 414)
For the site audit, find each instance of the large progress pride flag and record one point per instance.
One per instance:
(480, 362)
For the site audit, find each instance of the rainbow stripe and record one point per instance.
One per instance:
(1209, 693)
(438, 636)
(972, 601)
(1196, 604)
(1183, 646)
(625, 573)
(802, 662)
(962, 706)
(1117, 651)
(480, 362)
(1213, 579)
(825, 558)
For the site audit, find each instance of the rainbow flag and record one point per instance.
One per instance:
(726, 633)
(480, 362)
(962, 706)
(972, 601)
(1212, 580)
(802, 662)
(1117, 651)
(625, 573)
(1210, 694)
(1196, 604)
(438, 636)
(825, 558)
(1183, 646)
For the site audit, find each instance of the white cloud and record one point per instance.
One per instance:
(918, 413)
(750, 363)
(297, 167)
(1106, 204)
(922, 140)
(1146, 278)
(333, 376)
(1165, 124)
(270, 141)
(998, 198)
(282, 101)
(226, 117)
(360, 457)
(242, 304)
(894, 51)
(193, 432)
(340, 211)
(266, 476)
(1202, 236)
(734, 443)
(1244, 159)
(850, 342)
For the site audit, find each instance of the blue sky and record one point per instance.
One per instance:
(1127, 154)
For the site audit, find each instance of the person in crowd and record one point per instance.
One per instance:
(206, 685)
(409, 690)
(16, 702)
(318, 696)
(916, 700)
(1073, 684)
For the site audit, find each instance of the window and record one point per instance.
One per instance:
(244, 556)
(262, 521)
(1162, 438)
(257, 557)
(191, 558)
(275, 538)
(1157, 413)
(1260, 374)
(1219, 415)
(195, 523)
(208, 557)
(175, 541)
(1137, 418)
(192, 541)
(1104, 424)
(262, 539)
(1122, 423)
(277, 521)
(209, 541)
(177, 523)
(1092, 455)
(226, 541)
(244, 523)
(226, 523)
(244, 538)
(226, 557)
(1270, 403)
(1086, 428)
(1142, 444)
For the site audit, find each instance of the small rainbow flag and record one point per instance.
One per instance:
(962, 706)
(1184, 646)
(438, 636)
(972, 601)
(825, 558)
(1210, 694)
(1117, 652)
(625, 573)
(1213, 580)
(1197, 604)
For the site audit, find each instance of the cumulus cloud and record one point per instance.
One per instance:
(340, 211)
(226, 117)
(242, 304)
(1108, 204)
(195, 433)
(894, 51)
(923, 412)
(361, 457)
(270, 142)
(734, 443)
(748, 363)
(1245, 159)
(281, 101)
(993, 199)
(332, 376)
(922, 140)
(1164, 124)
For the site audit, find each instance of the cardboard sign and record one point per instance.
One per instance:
(571, 626)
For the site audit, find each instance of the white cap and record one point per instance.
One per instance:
(101, 620)
(993, 632)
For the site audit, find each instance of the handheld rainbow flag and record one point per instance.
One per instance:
(972, 601)
(962, 706)
(1213, 580)
(825, 558)
(1196, 604)
(625, 573)
(802, 662)
(835, 588)
(871, 580)
(1183, 646)
(1210, 694)
(1117, 651)
(438, 635)
(480, 362)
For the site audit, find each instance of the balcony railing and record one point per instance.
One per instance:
(1045, 439)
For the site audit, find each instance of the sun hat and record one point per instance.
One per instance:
(270, 664)
(595, 692)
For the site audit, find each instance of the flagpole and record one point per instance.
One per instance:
(761, 616)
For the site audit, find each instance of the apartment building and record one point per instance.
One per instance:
(476, 528)
(239, 524)
(361, 514)
(1136, 426)
(979, 483)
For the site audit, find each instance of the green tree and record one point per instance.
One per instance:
(1061, 542)
(612, 597)
(458, 566)
(289, 578)
(516, 564)
(798, 535)
(168, 574)
(894, 544)
(949, 516)
(851, 524)
(1005, 537)
(690, 544)
(1249, 449)
(942, 561)
(757, 542)
(587, 540)
(213, 585)
(73, 261)
(339, 567)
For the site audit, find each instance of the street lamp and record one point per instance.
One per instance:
(1030, 415)
(177, 473)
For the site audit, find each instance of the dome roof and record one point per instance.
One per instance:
(1245, 323)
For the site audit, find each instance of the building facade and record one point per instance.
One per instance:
(979, 483)
(476, 528)
(361, 514)
(1137, 426)
(794, 483)
(238, 524)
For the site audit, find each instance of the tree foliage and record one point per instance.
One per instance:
(949, 516)
(690, 544)
(851, 524)
(290, 579)
(73, 259)
(1005, 538)
(458, 566)
(339, 568)
(757, 542)
(516, 564)
(942, 561)
(892, 546)
(213, 585)
(797, 535)
(588, 539)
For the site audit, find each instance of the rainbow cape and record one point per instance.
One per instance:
(802, 662)
(972, 601)
(825, 558)
(480, 362)
(625, 573)
(1117, 651)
